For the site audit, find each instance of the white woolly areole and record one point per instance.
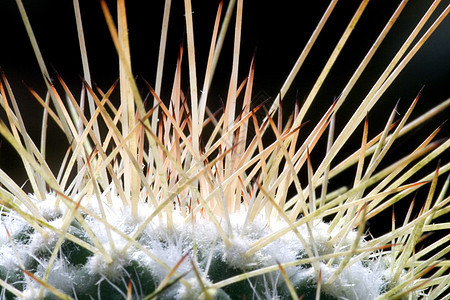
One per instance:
(235, 254)
(46, 243)
(97, 264)
(49, 208)
(193, 291)
(63, 275)
(354, 283)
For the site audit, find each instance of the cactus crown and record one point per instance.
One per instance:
(169, 199)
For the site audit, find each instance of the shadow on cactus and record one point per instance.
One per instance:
(169, 200)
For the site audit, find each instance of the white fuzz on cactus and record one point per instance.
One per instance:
(200, 240)
(169, 200)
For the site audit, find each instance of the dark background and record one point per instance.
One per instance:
(278, 31)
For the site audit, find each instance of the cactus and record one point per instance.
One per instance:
(170, 200)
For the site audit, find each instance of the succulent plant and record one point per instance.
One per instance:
(164, 198)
